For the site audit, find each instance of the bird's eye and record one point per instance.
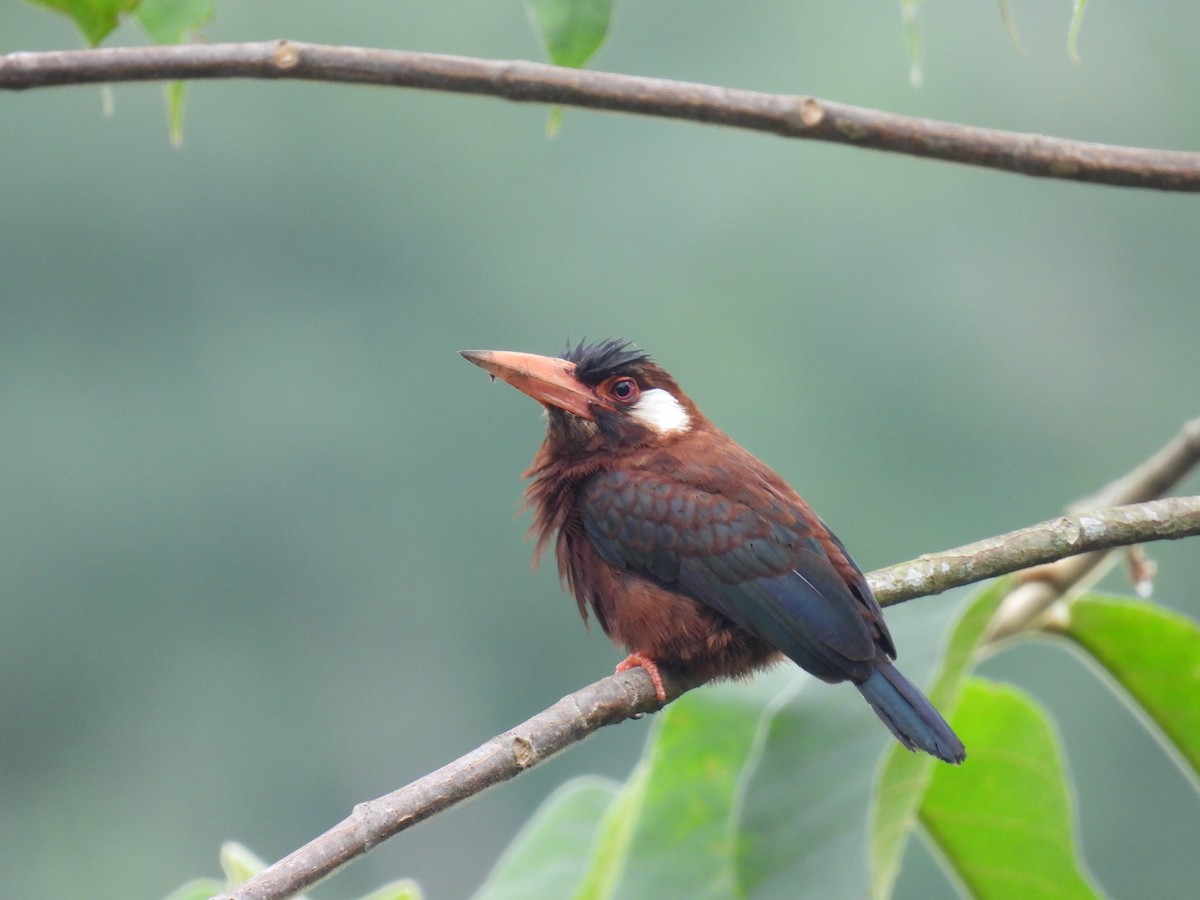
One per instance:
(623, 390)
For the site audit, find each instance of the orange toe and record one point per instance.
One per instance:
(636, 660)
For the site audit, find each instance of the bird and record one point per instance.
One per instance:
(691, 553)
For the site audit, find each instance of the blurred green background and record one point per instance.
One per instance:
(258, 558)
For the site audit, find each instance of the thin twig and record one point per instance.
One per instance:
(788, 115)
(1042, 587)
(631, 693)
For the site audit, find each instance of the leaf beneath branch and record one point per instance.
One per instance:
(1154, 655)
(1003, 820)
(548, 857)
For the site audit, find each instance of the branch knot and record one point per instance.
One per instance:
(524, 755)
(286, 55)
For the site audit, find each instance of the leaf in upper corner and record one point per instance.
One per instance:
(1154, 655)
(1010, 25)
(171, 21)
(1003, 821)
(1073, 33)
(906, 776)
(549, 855)
(912, 40)
(570, 30)
(95, 18)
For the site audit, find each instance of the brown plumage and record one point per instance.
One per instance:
(674, 630)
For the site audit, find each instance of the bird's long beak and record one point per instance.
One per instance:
(546, 379)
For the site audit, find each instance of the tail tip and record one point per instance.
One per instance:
(910, 716)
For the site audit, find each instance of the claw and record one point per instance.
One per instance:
(636, 660)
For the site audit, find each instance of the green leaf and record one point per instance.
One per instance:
(1073, 33)
(571, 31)
(200, 889)
(171, 21)
(684, 840)
(804, 819)
(912, 39)
(95, 18)
(548, 857)
(905, 775)
(607, 859)
(668, 831)
(1003, 821)
(1154, 654)
(173, 93)
(1010, 25)
(239, 863)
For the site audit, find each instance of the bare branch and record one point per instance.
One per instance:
(631, 693)
(1027, 603)
(791, 116)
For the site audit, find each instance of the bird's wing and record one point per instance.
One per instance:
(761, 566)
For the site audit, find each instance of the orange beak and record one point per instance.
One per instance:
(547, 379)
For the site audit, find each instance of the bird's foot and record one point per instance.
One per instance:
(634, 660)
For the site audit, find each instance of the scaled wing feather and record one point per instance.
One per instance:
(764, 573)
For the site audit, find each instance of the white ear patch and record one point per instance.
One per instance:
(660, 411)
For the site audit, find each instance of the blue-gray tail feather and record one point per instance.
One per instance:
(909, 715)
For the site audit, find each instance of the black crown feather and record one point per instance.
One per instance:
(602, 359)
